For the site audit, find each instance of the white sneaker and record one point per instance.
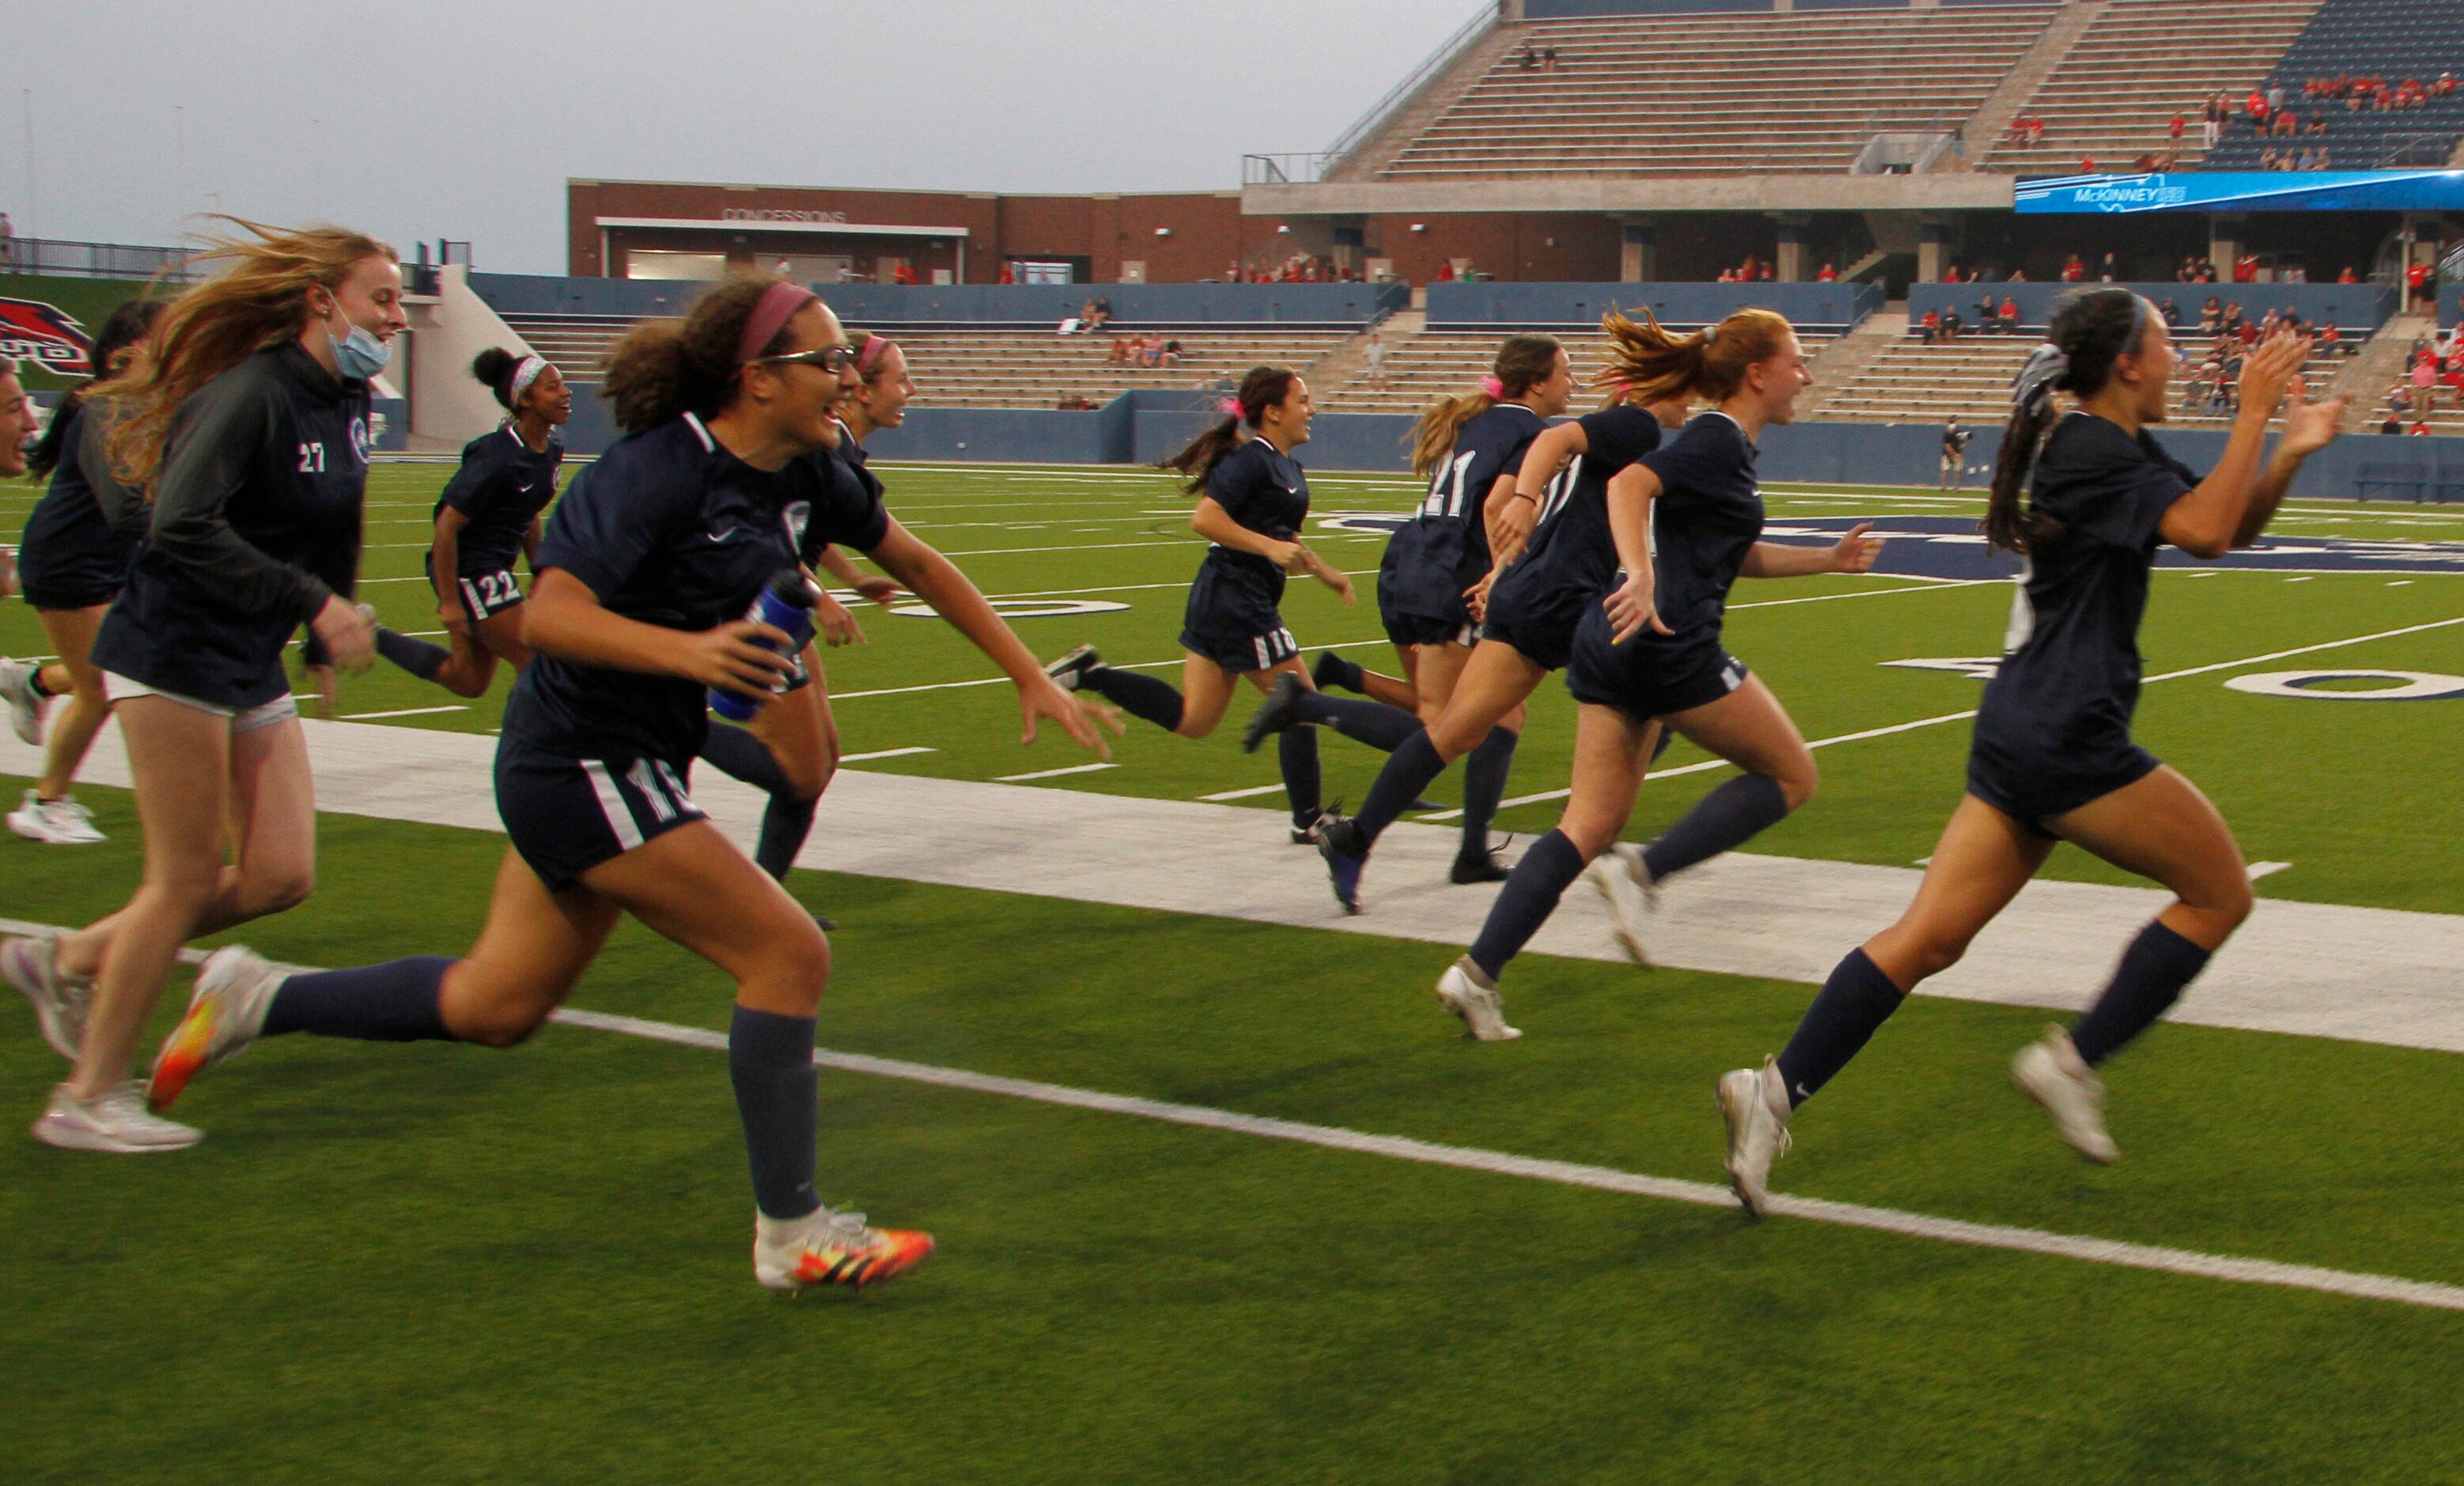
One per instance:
(60, 822)
(832, 1249)
(1634, 899)
(17, 694)
(1471, 996)
(2054, 1075)
(60, 1000)
(224, 1015)
(1756, 1105)
(114, 1120)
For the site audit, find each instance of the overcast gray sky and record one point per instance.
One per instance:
(451, 118)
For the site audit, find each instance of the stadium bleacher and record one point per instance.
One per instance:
(1663, 94)
(2390, 39)
(1449, 362)
(2139, 64)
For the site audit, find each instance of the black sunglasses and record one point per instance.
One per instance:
(829, 358)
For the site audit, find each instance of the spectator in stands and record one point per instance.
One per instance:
(2179, 126)
(2246, 269)
(1008, 275)
(1375, 357)
(1951, 323)
(2331, 340)
(1099, 313)
(2173, 313)
(2074, 271)
(2419, 430)
(1528, 57)
(2323, 162)
(1170, 355)
(2255, 105)
(2308, 161)
(2109, 270)
(2416, 281)
(2425, 385)
(2018, 275)
(2348, 276)
(1931, 327)
(8, 240)
(2211, 120)
(1826, 275)
(2087, 164)
(2267, 158)
(1446, 272)
(2211, 317)
(2393, 425)
(1989, 311)
(1120, 356)
(2010, 316)
(1549, 61)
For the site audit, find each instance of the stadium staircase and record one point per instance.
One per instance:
(1664, 94)
(1993, 116)
(1347, 363)
(2139, 64)
(1449, 362)
(2383, 362)
(2392, 40)
(1840, 363)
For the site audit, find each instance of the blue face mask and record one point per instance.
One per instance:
(360, 355)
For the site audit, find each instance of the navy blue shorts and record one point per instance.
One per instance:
(1241, 653)
(1650, 682)
(486, 591)
(1542, 629)
(2032, 785)
(568, 815)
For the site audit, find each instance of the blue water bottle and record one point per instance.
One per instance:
(786, 605)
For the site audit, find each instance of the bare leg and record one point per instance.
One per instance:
(70, 632)
(1205, 690)
(2163, 828)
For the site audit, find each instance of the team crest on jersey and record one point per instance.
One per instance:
(46, 335)
(797, 516)
(360, 438)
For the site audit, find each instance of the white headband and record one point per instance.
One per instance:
(525, 372)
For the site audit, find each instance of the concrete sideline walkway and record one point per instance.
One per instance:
(2360, 974)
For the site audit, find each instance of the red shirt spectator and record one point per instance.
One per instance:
(2246, 269)
(2417, 276)
(2179, 124)
(1827, 276)
(2074, 271)
(2087, 164)
(2256, 105)
(2348, 276)
(1007, 275)
(1446, 272)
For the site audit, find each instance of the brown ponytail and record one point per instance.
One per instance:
(2090, 329)
(1654, 363)
(1264, 387)
(1523, 363)
(664, 369)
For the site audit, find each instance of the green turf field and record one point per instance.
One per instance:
(443, 1264)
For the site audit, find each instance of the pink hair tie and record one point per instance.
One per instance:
(1230, 406)
(778, 305)
(1493, 389)
(874, 346)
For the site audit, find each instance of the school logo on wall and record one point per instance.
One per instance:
(46, 335)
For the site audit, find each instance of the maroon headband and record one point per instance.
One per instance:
(778, 305)
(874, 347)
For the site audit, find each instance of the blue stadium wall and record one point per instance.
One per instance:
(1571, 10)
(990, 306)
(2351, 306)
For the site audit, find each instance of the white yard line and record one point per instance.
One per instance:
(405, 712)
(1053, 773)
(881, 753)
(1252, 792)
(2189, 1263)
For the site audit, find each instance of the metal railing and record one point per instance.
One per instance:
(2400, 150)
(1294, 169)
(92, 260)
(1454, 47)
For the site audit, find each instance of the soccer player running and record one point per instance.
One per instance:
(248, 424)
(1553, 558)
(2052, 758)
(1252, 499)
(79, 543)
(646, 570)
(488, 516)
(1433, 582)
(1687, 519)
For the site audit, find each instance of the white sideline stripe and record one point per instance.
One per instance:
(1547, 795)
(881, 753)
(1241, 794)
(1160, 665)
(1052, 773)
(2258, 870)
(405, 712)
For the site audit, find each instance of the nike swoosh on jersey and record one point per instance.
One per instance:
(728, 535)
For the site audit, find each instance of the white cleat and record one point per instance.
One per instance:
(235, 989)
(60, 822)
(60, 1000)
(1471, 996)
(17, 694)
(1634, 899)
(832, 1249)
(115, 1121)
(1755, 1104)
(2054, 1075)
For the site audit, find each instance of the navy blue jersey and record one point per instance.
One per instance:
(501, 488)
(847, 485)
(1261, 489)
(74, 555)
(668, 528)
(1444, 549)
(2070, 676)
(851, 454)
(1708, 515)
(1571, 550)
(255, 524)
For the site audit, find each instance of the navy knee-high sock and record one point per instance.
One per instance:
(740, 756)
(394, 1002)
(1526, 900)
(1721, 821)
(1485, 785)
(1157, 700)
(778, 1095)
(1372, 723)
(1408, 771)
(2153, 970)
(1296, 750)
(1856, 999)
(786, 822)
(416, 656)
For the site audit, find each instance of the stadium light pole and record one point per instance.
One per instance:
(33, 230)
(179, 170)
